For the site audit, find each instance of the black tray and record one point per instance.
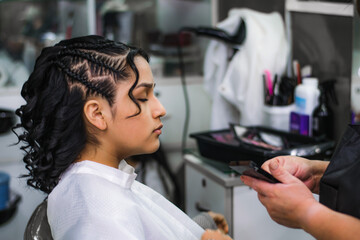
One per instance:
(226, 147)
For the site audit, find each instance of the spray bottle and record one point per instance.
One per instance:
(323, 117)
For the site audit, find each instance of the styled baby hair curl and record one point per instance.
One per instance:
(53, 130)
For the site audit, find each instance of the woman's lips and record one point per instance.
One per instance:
(158, 130)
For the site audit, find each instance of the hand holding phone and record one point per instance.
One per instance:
(251, 169)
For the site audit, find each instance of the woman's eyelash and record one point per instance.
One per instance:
(143, 99)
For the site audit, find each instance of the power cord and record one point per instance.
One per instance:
(186, 95)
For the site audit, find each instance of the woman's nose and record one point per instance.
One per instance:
(159, 110)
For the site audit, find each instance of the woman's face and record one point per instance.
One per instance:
(138, 134)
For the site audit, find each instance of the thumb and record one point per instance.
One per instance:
(281, 173)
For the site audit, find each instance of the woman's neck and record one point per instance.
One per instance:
(99, 155)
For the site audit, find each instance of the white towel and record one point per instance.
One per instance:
(237, 87)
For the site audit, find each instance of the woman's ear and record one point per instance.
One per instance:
(92, 112)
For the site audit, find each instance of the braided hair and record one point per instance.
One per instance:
(64, 76)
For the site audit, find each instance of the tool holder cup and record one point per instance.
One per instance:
(277, 117)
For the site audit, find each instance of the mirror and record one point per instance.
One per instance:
(28, 26)
(355, 72)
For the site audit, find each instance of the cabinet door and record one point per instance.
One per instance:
(203, 192)
(252, 222)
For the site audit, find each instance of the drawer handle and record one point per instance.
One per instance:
(201, 208)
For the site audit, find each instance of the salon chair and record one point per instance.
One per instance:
(38, 227)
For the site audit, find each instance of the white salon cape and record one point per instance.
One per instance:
(236, 84)
(95, 201)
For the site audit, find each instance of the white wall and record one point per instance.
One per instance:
(172, 97)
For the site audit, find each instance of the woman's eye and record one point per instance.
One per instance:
(143, 99)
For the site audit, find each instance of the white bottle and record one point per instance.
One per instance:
(307, 98)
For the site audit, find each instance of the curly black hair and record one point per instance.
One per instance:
(64, 76)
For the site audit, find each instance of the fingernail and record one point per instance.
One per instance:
(274, 165)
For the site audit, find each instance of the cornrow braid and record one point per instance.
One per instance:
(90, 46)
(82, 79)
(88, 56)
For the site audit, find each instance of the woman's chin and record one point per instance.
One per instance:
(151, 149)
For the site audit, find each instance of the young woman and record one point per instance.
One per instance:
(89, 104)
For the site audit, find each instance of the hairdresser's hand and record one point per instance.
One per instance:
(308, 171)
(288, 203)
(220, 221)
(214, 235)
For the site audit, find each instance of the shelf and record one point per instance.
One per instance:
(175, 80)
(326, 8)
(10, 91)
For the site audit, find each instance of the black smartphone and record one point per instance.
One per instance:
(250, 168)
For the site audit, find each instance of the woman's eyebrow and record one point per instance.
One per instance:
(146, 85)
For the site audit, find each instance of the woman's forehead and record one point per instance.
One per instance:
(145, 80)
(145, 73)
